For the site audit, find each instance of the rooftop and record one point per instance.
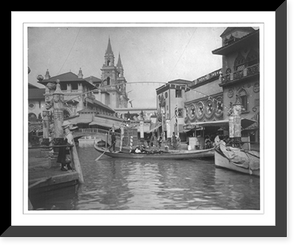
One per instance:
(252, 37)
(66, 77)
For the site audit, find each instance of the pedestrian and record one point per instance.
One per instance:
(113, 141)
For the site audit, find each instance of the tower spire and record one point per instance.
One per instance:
(120, 67)
(109, 55)
(119, 64)
(109, 49)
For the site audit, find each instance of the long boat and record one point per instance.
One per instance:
(237, 160)
(163, 155)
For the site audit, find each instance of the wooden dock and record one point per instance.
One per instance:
(44, 173)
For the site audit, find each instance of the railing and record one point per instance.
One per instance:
(93, 130)
(237, 75)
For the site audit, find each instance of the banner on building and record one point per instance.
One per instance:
(168, 127)
(141, 129)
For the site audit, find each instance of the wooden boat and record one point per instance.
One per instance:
(238, 160)
(161, 155)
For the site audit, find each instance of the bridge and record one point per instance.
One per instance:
(93, 133)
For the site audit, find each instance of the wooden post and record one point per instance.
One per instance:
(235, 127)
(76, 163)
(121, 139)
(58, 97)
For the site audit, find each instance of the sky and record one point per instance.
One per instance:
(150, 55)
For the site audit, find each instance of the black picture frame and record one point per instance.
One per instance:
(281, 228)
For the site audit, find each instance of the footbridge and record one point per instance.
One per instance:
(100, 134)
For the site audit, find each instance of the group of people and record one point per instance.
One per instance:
(153, 140)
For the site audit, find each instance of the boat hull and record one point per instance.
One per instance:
(171, 155)
(222, 162)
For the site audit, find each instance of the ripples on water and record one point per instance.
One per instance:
(116, 184)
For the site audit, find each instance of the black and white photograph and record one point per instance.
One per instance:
(144, 124)
(144, 118)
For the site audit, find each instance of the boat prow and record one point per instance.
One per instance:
(237, 160)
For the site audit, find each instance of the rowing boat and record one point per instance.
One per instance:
(237, 160)
(161, 154)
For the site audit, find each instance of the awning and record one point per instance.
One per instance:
(156, 127)
(244, 122)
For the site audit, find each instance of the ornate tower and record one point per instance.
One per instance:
(113, 89)
(109, 70)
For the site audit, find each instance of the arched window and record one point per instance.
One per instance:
(239, 63)
(108, 80)
(244, 99)
(252, 58)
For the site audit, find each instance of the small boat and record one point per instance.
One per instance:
(237, 160)
(159, 154)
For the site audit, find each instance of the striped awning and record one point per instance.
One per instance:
(244, 122)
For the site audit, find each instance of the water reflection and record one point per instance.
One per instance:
(114, 184)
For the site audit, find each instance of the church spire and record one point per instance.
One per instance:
(120, 67)
(109, 55)
(119, 64)
(109, 49)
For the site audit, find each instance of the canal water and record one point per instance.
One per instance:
(117, 184)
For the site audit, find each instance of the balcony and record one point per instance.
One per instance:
(250, 71)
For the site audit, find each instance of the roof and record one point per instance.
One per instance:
(252, 37)
(231, 29)
(36, 94)
(94, 101)
(66, 77)
(93, 79)
(180, 81)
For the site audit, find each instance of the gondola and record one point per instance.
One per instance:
(160, 154)
(237, 160)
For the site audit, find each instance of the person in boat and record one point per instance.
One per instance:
(159, 141)
(148, 137)
(208, 143)
(64, 157)
(113, 141)
(153, 139)
(137, 150)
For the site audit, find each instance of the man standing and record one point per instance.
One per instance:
(113, 142)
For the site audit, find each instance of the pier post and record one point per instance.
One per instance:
(235, 127)
(58, 115)
(46, 126)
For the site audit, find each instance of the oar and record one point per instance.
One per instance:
(100, 155)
